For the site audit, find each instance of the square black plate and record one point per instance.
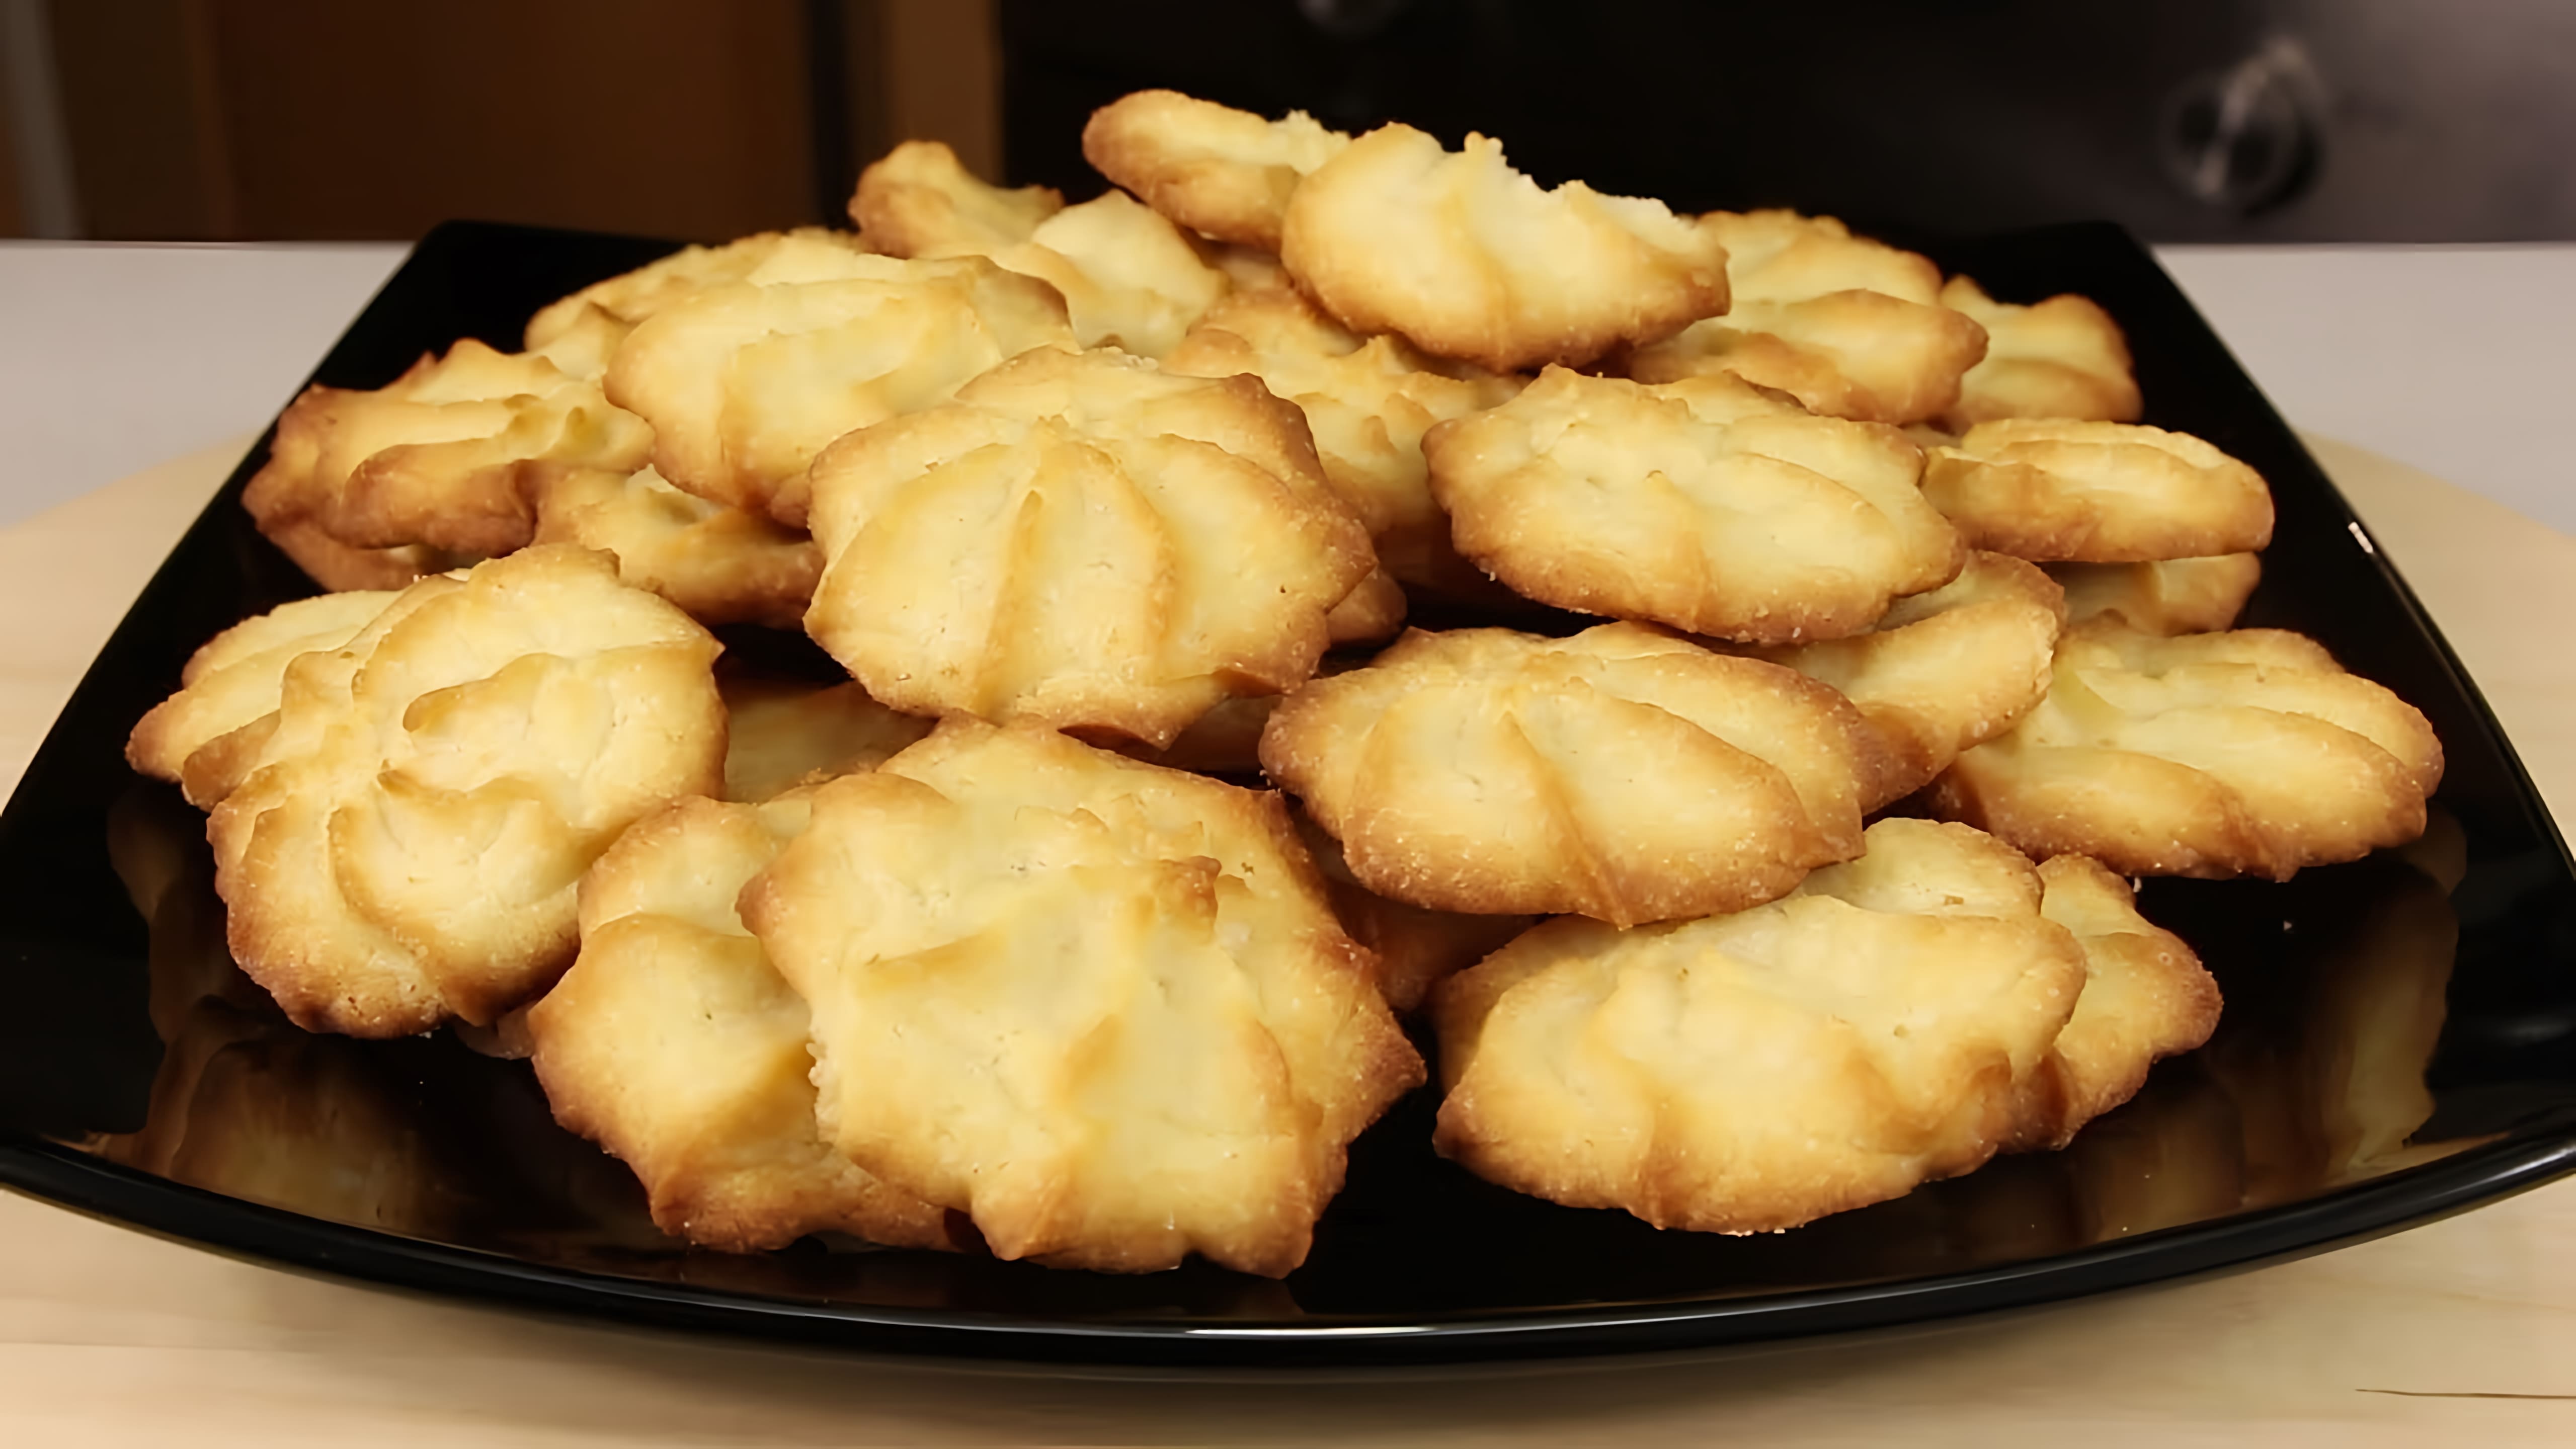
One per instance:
(2399, 1040)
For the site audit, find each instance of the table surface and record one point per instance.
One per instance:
(2456, 1329)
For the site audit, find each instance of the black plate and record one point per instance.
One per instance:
(2399, 1041)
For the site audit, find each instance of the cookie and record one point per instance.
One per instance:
(1098, 1006)
(1467, 258)
(1083, 541)
(1707, 504)
(1221, 172)
(1850, 327)
(2244, 753)
(407, 844)
(2080, 492)
(1752, 1072)
(1945, 670)
(675, 1045)
(2060, 358)
(1621, 774)
(1130, 280)
(1368, 403)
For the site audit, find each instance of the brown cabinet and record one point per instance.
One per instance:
(325, 119)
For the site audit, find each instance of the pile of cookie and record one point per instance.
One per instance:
(1077, 923)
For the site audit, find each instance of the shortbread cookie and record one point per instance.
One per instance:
(744, 384)
(1706, 504)
(1096, 1005)
(1220, 172)
(1621, 774)
(369, 490)
(593, 320)
(406, 846)
(2145, 998)
(2245, 753)
(1469, 259)
(674, 1044)
(2078, 492)
(723, 565)
(1082, 541)
(1130, 279)
(782, 733)
(2168, 596)
(1415, 949)
(2061, 358)
(1944, 670)
(1850, 327)
(205, 738)
(1752, 1072)
(1368, 404)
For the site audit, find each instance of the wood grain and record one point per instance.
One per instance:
(2452, 1331)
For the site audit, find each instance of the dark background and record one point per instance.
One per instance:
(2208, 120)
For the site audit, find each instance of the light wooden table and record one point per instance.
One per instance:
(2463, 1329)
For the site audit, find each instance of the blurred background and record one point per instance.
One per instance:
(2188, 120)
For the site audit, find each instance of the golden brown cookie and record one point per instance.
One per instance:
(1622, 774)
(1220, 172)
(1084, 541)
(675, 1045)
(1467, 258)
(1415, 949)
(1706, 504)
(1944, 670)
(1368, 402)
(407, 845)
(593, 320)
(2078, 492)
(782, 733)
(2145, 998)
(744, 384)
(372, 489)
(1850, 327)
(2061, 358)
(1129, 279)
(2244, 753)
(205, 738)
(723, 565)
(1189, 1039)
(1751, 1072)
(2167, 596)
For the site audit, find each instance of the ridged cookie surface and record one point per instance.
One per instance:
(675, 1045)
(1082, 540)
(207, 737)
(1751, 1072)
(1850, 327)
(2056, 491)
(2166, 596)
(1621, 774)
(722, 565)
(407, 845)
(1705, 504)
(1469, 259)
(1368, 403)
(2060, 358)
(1944, 670)
(2245, 753)
(1129, 279)
(370, 490)
(1221, 172)
(744, 384)
(2145, 998)
(1097, 1005)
